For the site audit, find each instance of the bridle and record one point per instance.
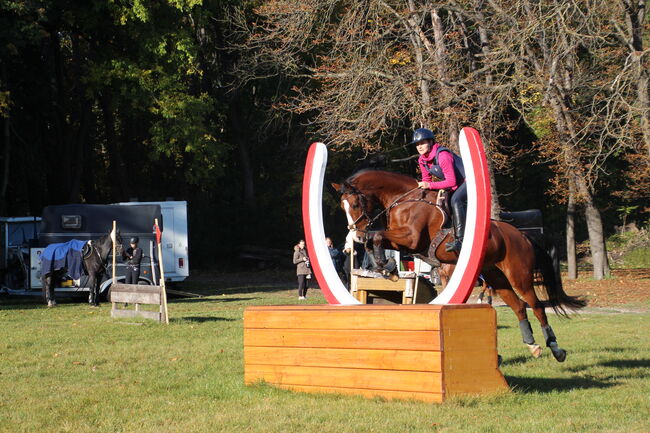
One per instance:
(371, 220)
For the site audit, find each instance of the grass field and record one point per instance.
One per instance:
(74, 369)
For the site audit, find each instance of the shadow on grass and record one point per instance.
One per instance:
(545, 385)
(211, 290)
(198, 319)
(208, 300)
(621, 364)
(521, 359)
(627, 363)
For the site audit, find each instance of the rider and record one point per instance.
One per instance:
(442, 163)
(133, 255)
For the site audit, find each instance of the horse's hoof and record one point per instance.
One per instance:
(535, 350)
(51, 304)
(94, 305)
(558, 352)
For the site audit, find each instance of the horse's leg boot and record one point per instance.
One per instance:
(529, 340)
(551, 343)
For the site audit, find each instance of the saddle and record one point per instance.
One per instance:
(87, 250)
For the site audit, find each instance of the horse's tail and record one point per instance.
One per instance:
(547, 265)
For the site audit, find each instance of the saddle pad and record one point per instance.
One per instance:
(63, 256)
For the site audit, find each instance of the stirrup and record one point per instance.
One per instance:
(453, 246)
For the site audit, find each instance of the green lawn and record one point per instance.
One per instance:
(74, 369)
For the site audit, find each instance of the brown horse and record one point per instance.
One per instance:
(411, 220)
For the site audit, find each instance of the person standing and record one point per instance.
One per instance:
(335, 254)
(133, 256)
(303, 268)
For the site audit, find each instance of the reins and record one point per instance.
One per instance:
(386, 210)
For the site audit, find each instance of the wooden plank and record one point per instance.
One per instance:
(362, 308)
(155, 315)
(408, 360)
(479, 358)
(469, 318)
(343, 319)
(343, 339)
(134, 297)
(380, 284)
(137, 288)
(135, 293)
(428, 397)
(354, 378)
(480, 381)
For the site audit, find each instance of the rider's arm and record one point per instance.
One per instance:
(446, 162)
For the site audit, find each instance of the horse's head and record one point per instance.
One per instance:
(358, 209)
(118, 243)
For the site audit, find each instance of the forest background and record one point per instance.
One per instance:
(216, 103)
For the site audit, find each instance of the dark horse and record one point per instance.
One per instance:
(412, 220)
(95, 257)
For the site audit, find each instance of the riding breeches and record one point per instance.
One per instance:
(459, 209)
(132, 274)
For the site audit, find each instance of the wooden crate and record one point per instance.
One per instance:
(138, 295)
(422, 352)
(361, 286)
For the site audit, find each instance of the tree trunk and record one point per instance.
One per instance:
(595, 229)
(571, 234)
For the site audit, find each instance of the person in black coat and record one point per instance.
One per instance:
(133, 257)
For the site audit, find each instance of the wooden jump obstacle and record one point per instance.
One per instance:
(361, 286)
(421, 352)
(138, 295)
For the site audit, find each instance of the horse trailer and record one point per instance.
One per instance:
(62, 223)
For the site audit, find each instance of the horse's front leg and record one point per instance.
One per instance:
(387, 239)
(93, 292)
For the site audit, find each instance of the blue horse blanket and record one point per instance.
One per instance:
(66, 255)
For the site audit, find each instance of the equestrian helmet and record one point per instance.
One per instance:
(422, 134)
(134, 240)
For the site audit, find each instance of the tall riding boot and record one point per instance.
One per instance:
(458, 211)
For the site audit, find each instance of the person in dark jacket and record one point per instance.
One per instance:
(133, 257)
(437, 160)
(303, 268)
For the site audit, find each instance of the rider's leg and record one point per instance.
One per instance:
(459, 211)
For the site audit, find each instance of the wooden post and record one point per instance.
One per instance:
(153, 268)
(416, 267)
(113, 239)
(162, 277)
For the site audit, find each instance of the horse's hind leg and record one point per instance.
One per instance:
(48, 292)
(502, 287)
(549, 336)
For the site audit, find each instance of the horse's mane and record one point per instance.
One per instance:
(387, 178)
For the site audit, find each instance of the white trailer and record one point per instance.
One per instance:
(174, 242)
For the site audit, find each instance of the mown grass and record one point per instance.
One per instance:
(74, 369)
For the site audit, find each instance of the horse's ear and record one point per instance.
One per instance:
(336, 186)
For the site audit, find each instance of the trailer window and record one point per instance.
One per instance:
(71, 221)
